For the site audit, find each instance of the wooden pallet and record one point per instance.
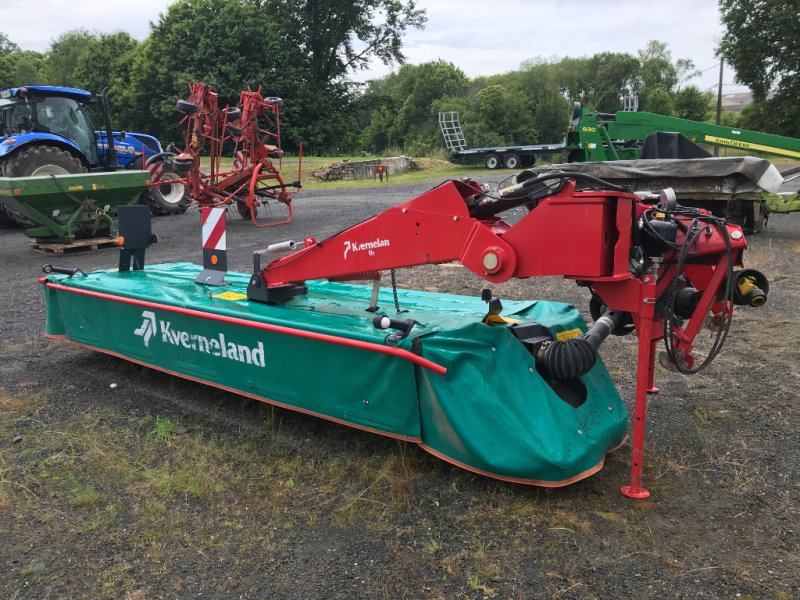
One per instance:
(90, 244)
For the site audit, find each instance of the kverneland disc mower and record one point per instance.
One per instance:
(249, 134)
(510, 390)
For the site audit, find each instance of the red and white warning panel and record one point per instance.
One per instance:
(213, 221)
(215, 254)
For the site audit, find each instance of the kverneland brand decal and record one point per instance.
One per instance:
(369, 247)
(215, 346)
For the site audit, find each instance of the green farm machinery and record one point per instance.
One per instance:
(594, 137)
(63, 208)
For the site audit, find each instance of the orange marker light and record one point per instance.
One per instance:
(121, 241)
(214, 259)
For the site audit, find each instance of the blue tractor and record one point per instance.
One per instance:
(47, 130)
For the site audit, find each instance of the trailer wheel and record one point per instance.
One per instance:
(168, 196)
(511, 161)
(492, 161)
(38, 160)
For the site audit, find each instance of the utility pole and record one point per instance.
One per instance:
(719, 100)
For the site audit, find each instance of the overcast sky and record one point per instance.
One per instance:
(479, 36)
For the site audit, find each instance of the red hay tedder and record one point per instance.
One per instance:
(254, 179)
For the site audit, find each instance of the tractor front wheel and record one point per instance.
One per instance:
(38, 160)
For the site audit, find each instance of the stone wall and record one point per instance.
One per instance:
(350, 170)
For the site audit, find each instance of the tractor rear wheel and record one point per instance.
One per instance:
(168, 196)
(38, 160)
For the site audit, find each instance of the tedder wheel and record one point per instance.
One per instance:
(38, 160)
(244, 211)
(233, 131)
(168, 196)
(233, 113)
(492, 161)
(511, 161)
(186, 107)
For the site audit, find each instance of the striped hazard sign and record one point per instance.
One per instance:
(215, 255)
(213, 220)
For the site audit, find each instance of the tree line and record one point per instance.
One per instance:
(307, 51)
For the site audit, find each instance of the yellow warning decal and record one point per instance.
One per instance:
(75, 188)
(563, 336)
(98, 186)
(230, 296)
(713, 139)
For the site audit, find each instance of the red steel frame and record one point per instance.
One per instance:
(584, 236)
(254, 178)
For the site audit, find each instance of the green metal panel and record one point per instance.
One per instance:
(491, 412)
(638, 125)
(69, 206)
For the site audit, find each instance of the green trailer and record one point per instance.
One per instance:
(64, 208)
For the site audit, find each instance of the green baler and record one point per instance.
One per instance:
(63, 208)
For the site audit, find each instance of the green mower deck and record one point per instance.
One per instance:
(465, 391)
(63, 208)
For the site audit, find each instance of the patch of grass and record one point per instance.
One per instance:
(85, 496)
(475, 585)
(192, 478)
(26, 571)
(434, 547)
(102, 519)
(162, 430)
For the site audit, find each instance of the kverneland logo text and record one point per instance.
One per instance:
(368, 246)
(215, 346)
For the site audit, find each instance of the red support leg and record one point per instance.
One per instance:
(646, 330)
(643, 373)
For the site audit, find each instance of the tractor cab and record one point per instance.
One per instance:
(62, 113)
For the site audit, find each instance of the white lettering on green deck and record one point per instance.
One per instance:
(215, 346)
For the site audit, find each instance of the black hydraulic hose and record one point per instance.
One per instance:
(512, 197)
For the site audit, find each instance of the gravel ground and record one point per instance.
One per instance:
(162, 488)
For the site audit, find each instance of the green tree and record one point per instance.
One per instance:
(108, 62)
(506, 115)
(608, 76)
(64, 54)
(22, 68)
(405, 105)
(6, 45)
(337, 37)
(660, 102)
(760, 42)
(659, 77)
(691, 103)
(18, 67)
